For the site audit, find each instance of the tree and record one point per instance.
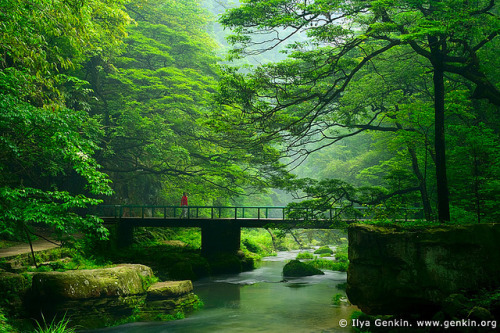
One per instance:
(154, 99)
(291, 100)
(47, 170)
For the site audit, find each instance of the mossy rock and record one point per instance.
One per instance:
(296, 268)
(170, 289)
(324, 250)
(122, 280)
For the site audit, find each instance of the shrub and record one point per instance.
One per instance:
(341, 257)
(305, 255)
(5, 327)
(329, 264)
(323, 249)
(252, 246)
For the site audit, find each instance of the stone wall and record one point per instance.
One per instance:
(392, 271)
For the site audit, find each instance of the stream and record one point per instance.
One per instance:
(259, 301)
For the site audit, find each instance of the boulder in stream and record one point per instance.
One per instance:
(296, 268)
(122, 280)
(101, 297)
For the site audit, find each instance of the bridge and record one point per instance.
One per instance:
(221, 225)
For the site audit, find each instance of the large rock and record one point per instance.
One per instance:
(122, 280)
(102, 297)
(170, 289)
(399, 272)
(169, 297)
(296, 268)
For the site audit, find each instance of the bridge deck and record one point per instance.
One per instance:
(247, 217)
(171, 222)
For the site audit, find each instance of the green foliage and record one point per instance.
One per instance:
(5, 326)
(154, 236)
(259, 239)
(47, 169)
(154, 101)
(368, 72)
(64, 259)
(341, 257)
(47, 144)
(54, 326)
(324, 250)
(304, 255)
(251, 245)
(329, 264)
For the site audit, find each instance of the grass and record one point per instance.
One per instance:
(329, 264)
(60, 326)
(5, 326)
(305, 255)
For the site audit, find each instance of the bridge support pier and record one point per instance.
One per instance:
(124, 234)
(220, 237)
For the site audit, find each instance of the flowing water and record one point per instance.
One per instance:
(259, 301)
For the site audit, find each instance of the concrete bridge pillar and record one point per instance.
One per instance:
(124, 233)
(220, 236)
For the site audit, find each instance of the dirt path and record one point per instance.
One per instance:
(38, 245)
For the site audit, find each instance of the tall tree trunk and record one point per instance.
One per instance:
(441, 179)
(31, 246)
(421, 184)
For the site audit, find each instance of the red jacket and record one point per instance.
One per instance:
(184, 201)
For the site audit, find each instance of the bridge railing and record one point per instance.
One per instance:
(255, 212)
(212, 212)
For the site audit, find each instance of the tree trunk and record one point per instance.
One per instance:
(31, 246)
(439, 141)
(273, 239)
(421, 184)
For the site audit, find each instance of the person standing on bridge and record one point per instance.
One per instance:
(184, 204)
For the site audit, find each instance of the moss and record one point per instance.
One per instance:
(117, 281)
(296, 268)
(324, 250)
